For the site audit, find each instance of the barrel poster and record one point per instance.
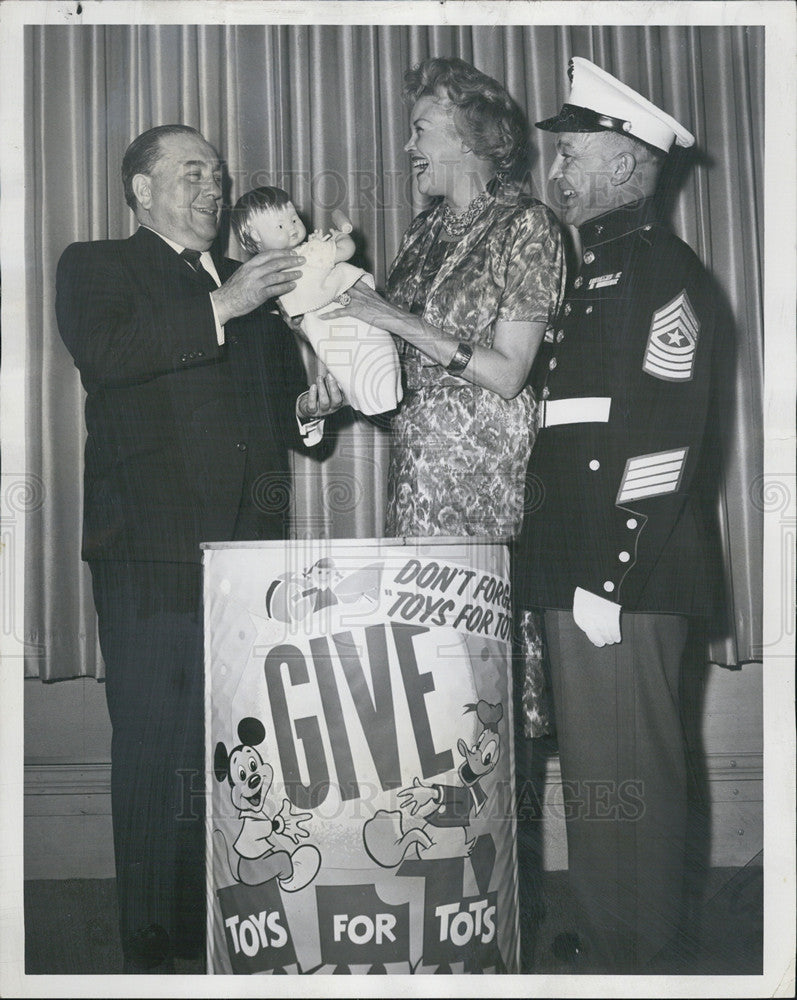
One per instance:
(360, 761)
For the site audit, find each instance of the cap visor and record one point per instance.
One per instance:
(573, 119)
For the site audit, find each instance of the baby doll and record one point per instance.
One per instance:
(361, 357)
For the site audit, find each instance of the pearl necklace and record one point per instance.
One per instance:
(456, 225)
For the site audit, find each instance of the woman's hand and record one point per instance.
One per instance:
(502, 368)
(368, 306)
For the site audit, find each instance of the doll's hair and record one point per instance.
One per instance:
(261, 199)
(486, 116)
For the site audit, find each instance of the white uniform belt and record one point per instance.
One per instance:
(576, 410)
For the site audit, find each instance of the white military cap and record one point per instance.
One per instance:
(599, 102)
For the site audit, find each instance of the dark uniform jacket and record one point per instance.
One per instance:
(187, 441)
(614, 504)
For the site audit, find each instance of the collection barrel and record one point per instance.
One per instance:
(359, 730)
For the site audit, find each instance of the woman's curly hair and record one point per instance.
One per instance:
(486, 116)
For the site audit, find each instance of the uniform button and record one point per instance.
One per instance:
(589, 256)
(192, 355)
(631, 523)
(241, 446)
(200, 354)
(578, 282)
(552, 363)
(594, 465)
(588, 310)
(608, 587)
(184, 357)
(560, 336)
(624, 556)
(232, 340)
(546, 392)
(568, 308)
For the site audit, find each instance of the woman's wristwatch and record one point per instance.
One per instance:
(461, 359)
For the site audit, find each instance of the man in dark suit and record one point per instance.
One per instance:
(616, 551)
(195, 393)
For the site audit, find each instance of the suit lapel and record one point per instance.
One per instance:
(225, 266)
(161, 255)
(151, 246)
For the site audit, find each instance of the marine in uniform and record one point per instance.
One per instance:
(613, 547)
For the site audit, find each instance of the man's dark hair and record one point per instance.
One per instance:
(144, 152)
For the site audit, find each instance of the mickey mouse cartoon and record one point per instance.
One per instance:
(250, 779)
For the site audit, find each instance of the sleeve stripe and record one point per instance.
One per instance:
(680, 309)
(647, 491)
(656, 458)
(671, 356)
(652, 475)
(635, 476)
(678, 321)
(668, 373)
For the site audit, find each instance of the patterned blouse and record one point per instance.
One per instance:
(509, 266)
(459, 451)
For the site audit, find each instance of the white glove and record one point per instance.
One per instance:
(597, 618)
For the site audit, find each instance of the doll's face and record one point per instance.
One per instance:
(277, 228)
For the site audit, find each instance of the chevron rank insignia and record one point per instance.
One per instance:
(670, 351)
(652, 475)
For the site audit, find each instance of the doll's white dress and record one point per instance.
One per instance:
(363, 358)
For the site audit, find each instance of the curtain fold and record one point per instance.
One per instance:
(317, 109)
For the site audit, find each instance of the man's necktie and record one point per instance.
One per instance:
(193, 259)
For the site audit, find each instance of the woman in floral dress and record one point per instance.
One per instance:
(475, 285)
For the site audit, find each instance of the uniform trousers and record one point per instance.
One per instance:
(150, 627)
(623, 760)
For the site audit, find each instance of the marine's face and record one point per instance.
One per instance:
(582, 176)
(181, 198)
(435, 147)
(277, 228)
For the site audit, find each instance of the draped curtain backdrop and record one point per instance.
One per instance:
(318, 110)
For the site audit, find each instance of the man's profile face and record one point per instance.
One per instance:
(582, 172)
(185, 192)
